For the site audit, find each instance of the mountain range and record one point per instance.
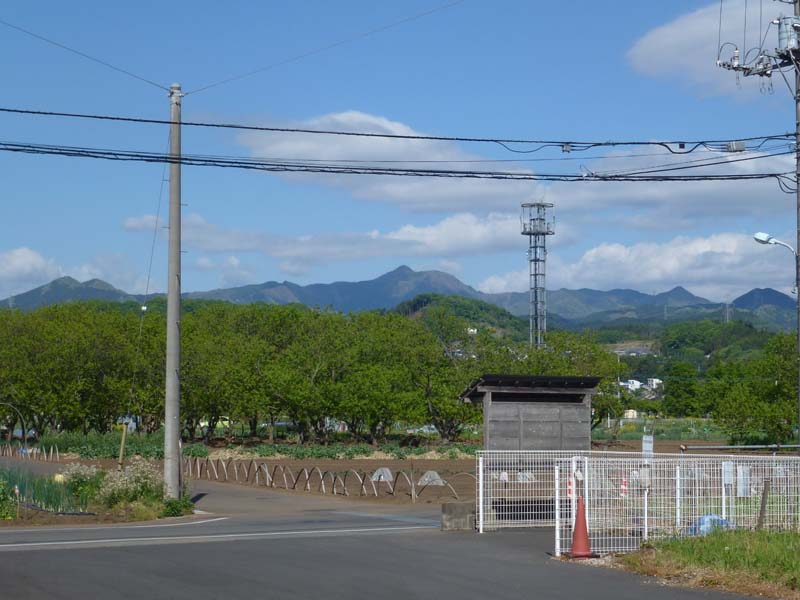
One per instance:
(568, 308)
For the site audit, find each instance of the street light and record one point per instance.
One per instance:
(765, 238)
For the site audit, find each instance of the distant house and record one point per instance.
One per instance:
(631, 385)
(654, 383)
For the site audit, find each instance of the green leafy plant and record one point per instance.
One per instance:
(177, 507)
(195, 450)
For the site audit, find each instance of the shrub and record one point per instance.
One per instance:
(7, 503)
(139, 481)
(83, 481)
(177, 507)
(195, 450)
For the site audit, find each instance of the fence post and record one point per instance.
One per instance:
(557, 497)
(762, 512)
(646, 515)
(724, 499)
(480, 494)
(573, 499)
(677, 497)
(586, 489)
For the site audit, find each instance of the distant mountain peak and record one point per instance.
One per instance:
(65, 280)
(578, 308)
(758, 297)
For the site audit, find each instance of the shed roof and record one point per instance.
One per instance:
(527, 382)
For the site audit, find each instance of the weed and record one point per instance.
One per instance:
(139, 481)
(177, 507)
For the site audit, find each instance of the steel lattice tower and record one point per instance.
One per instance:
(536, 226)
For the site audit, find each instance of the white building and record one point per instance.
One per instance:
(631, 385)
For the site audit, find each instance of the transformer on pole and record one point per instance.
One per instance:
(537, 227)
(763, 61)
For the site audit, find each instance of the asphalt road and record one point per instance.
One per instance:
(272, 544)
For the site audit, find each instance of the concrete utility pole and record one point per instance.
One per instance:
(797, 209)
(172, 400)
(786, 54)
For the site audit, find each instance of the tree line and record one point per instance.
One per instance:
(83, 366)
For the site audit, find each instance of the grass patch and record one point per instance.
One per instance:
(750, 562)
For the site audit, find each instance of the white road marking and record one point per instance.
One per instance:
(81, 528)
(208, 537)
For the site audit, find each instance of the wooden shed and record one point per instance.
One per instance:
(531, 412)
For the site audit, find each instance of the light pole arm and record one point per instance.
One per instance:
(785, 245)
(22, 419)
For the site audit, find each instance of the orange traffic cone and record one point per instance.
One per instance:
(580, 536)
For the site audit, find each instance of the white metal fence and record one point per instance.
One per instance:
(631, 498)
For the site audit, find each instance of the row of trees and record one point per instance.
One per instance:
(754, 399)
(82, 366)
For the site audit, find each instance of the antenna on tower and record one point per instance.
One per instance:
(537, 227)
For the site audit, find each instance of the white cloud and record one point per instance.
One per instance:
(678, 205)
(513, 281)
(659, 205)
(143, 223)
(459, 235)
(686, 48)
(23, 268)
(719, 267)
(416, 194)
(232, 270)
(116, 269)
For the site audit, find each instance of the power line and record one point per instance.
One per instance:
(683, 147)
(82, 54)
(342, 42)
(301, 167)
(666, 168)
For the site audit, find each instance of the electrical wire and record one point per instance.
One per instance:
(564, 145)
(697, 162)
(299, 167)
(667, 168)
(82, 54)
(142, 313)
(321, 49)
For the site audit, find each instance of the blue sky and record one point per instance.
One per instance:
(580, 70)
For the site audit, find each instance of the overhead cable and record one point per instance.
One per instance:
(299, 167)
(674, 147)
(342, 42)
(83, 55)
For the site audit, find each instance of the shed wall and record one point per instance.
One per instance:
(537, 425)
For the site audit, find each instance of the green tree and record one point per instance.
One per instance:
(681, 391)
